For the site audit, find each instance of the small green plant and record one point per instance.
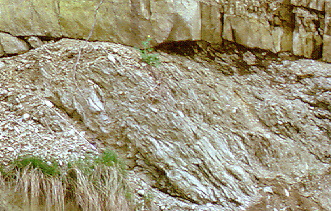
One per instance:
(108, 158)
(50, 168)
(146, 53)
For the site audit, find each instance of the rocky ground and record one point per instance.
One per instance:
(31, 124)
(211, 128)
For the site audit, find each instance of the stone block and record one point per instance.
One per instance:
(327, 33)
(2, 52)
(307, 38)
(33, 17)
(211, 25)
(12, 45)
(255, 32)
(126, 22)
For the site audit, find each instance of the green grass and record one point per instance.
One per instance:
(108, 158)
(146, 53)
(96, 183)
(50, 169)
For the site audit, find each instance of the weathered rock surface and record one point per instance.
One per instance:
(300, 27)
(259, 24)
(12, 45)
(117, 21)
(31, 124)
(327, 32)
(224, 129)
(296, 26)
(311, 4)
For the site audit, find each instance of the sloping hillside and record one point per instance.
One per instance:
(210, 128)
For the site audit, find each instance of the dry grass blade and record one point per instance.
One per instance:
(99, 187)
(85, 193)
(39, 190)
(111, 188)
(92, 185)
(54, 193)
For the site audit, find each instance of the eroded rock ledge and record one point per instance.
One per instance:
(300, 27)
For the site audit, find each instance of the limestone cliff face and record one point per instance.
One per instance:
(300, 27)
(297, 26)
(126, 22)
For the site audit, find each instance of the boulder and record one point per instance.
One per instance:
(35, 42)
(26, 18)
(12, 45)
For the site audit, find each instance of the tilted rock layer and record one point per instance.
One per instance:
(300, 27)
(221, 130)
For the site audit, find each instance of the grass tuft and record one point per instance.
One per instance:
(108, 158)
(95, 184)
(50, 169)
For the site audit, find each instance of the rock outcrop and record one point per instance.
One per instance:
(127, 22)
(213, 127)
(224, 129)
(300, 27)
(12, 45)
(296, 26)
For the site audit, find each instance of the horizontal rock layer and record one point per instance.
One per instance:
(301, 27)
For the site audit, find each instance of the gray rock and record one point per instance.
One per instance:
(195, 137)
(201, 135)
(12, 45)
(35, 42)
(2, 53)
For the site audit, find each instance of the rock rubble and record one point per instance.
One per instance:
(211, 128)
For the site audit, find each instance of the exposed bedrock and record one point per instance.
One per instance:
(300, 27)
